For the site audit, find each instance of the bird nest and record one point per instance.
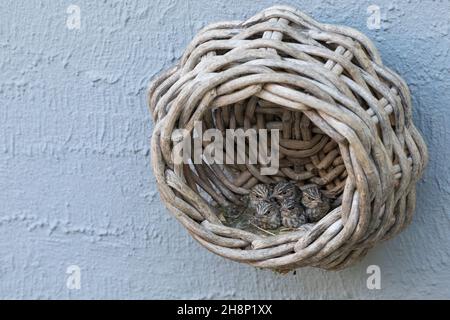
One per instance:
(344, 124)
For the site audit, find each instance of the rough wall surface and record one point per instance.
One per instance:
(76, 186)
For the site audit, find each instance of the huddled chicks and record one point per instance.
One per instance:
(287, 205)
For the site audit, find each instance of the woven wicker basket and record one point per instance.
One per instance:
(345, 122)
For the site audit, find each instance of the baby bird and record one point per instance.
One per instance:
(267, 216)
(260, 193)
(315, 203)
(288, 196)
(292, 214)
(286, 191)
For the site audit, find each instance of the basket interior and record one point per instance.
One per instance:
(306, 156)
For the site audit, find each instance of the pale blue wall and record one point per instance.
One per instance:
(75, 180)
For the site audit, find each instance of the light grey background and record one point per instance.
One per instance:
(76, 186)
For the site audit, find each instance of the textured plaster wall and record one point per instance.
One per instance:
(76, 186)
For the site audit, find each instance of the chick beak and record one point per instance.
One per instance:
(275, 197)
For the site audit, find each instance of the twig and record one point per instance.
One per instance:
(272, 234)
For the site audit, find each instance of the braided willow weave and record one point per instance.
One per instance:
(345, 122)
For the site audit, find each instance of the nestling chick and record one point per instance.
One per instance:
(292, 214)
(260, 193)
(267, 216)
(285, 190)
(316, 204)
